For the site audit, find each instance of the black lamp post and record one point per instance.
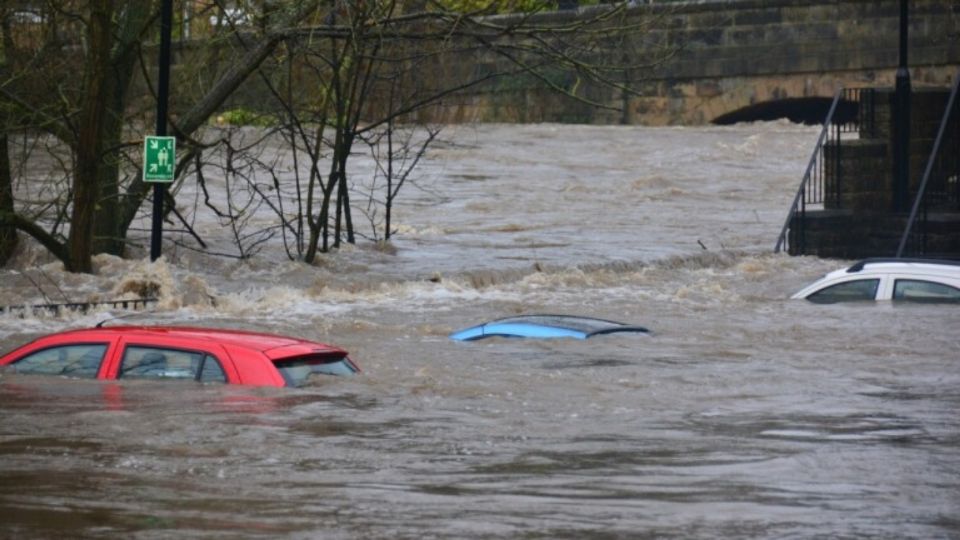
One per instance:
(163, 92)
(901, 125)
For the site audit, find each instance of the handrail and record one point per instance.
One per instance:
(82, 307)
(926, 175)
(781, 240)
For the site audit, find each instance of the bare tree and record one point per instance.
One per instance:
(341, 74)
(377, 65)
(71, 78)
(396, 152)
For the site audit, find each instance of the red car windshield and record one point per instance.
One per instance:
(297, 371)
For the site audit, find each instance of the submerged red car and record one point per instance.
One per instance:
(206, 355)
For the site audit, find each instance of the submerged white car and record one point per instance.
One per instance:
(910, 280)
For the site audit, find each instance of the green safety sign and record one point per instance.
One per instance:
(158, 158)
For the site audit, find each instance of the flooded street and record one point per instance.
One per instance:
(742, 415)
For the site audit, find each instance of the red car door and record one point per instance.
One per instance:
(174, 350)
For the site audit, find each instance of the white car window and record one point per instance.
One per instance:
(915, 290)
(848, 291)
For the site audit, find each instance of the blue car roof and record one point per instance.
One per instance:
(545, 326)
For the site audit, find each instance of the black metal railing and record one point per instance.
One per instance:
(823, 176)
(940, 187)
(82, 307)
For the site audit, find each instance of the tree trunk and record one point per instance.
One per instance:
(110, 227)
(89, 144)
(8, 234)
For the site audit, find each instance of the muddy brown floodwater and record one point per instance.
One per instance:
(743, 415)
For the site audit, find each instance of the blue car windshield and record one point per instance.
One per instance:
(580, 324)
(544, 326)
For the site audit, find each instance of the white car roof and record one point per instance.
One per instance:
(931, 266)
(946, 270)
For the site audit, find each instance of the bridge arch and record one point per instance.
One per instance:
(801, 110)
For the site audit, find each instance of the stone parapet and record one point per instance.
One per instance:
(729, 55)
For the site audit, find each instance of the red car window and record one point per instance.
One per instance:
(143, 362)
(296, 371)
(76, 360)
(211, 371)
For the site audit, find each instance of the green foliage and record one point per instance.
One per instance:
(488, 7)
(245, 117)
(497, 6)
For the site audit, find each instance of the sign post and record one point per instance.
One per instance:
(159, 150)
(901, 121)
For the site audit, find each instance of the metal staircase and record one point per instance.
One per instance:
(843, 206)
(823, 176)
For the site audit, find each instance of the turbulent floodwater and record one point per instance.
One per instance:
(743, 415)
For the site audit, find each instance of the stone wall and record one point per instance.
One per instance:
(858, 176)
(858, 173)
(725, 55)
(843, 234)
(733, 54)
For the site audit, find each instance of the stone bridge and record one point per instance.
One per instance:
(751, 60)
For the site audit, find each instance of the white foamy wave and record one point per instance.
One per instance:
(43, 321)
(410, 230)
(282, 301)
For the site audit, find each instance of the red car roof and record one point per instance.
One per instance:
(257, 341)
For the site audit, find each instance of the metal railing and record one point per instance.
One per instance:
(940, 186)
(82, 307)
(814, 184)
